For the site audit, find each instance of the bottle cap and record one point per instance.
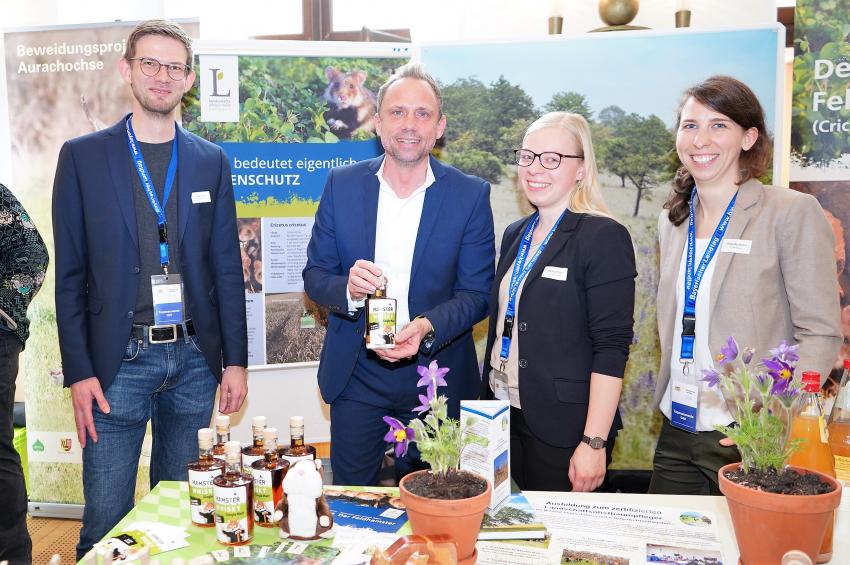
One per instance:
(205, 436)
(232, 446)
(811, 381)
(296, 421)
(222, 421)
(847, 363)
(270, 437)
(258, 421)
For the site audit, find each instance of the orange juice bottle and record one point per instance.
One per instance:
(809, 424)
(839, 427)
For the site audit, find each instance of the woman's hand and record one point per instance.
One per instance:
(587, 468)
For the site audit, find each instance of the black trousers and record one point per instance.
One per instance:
(687, 463)
(536, 465)
(15, 543)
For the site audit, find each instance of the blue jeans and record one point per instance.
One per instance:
(170, 385)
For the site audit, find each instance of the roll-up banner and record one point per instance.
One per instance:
(62, 82)
(285, 113)
(820, 133)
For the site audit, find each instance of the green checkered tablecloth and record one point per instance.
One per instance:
(168, 503)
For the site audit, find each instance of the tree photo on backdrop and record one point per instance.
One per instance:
(623, 85)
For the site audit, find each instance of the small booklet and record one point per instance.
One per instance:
(375, 508)
(513, 519)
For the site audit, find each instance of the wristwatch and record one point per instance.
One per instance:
(594, 442)
(428, 339)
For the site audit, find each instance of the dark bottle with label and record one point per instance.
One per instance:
(201, 475)
(380, 319)
(268, 475)
(297, 449)
(222, 436)
(233, 492)
(254, 452)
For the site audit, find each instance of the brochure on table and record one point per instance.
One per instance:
(616, 534)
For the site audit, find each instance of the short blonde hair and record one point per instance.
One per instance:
(586, 197)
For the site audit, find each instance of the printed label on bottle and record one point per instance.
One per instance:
(381, 322)
(263, 496)
(295, 458)
(231, 514)
(247, 460)
(201, 502)
(842, 469)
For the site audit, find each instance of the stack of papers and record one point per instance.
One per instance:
(158, 538)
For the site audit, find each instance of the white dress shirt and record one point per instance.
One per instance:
(396, 229)
(712, 409)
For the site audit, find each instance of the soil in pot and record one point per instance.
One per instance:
(453, 486)
(787, 481)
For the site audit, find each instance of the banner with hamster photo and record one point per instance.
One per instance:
(628, 86)
(285, 114)
(62, 82)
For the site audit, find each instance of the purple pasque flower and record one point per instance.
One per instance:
(711, 376)
(728, 352)
(786, 352)
(399, 434)
(425, 399)
(432, 372)
(747, 355)
(778, 369)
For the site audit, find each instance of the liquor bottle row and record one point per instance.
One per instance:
(824, 443)
(231, 488)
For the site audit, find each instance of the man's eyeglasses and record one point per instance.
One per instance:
(150, 67)
(548, 159)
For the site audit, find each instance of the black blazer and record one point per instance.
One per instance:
(569, 329)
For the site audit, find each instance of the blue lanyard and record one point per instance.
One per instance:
(520, 271)
(147, 184)
(693, 279)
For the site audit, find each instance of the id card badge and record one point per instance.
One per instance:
(500, 385)
(685, 397)
(167, 291)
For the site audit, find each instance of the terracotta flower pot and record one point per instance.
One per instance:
(767, 525)
(459, 519)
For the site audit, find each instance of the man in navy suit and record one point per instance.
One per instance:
(424, 228)
(149, 287)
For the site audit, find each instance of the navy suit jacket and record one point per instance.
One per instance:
(97, 253)
(451, 274)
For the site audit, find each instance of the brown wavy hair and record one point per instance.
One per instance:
(735, 100)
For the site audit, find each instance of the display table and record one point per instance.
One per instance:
(168, 503)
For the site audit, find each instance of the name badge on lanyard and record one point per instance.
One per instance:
(520, 271)
(166, 289)
(684, 406)
(167, 292)
(685, 390)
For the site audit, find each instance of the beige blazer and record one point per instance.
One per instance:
(784, 289)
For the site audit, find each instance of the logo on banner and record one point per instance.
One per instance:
(219, 82)
(217, 75)
(37, 446)
(65, 443)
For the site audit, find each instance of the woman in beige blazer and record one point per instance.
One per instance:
(772, 277)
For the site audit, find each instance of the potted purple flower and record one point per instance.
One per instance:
(774, 507)
(444, 499)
